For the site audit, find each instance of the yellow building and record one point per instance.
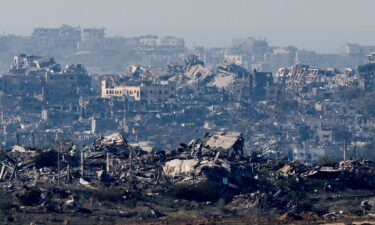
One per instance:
(149, 93)
(118, 91)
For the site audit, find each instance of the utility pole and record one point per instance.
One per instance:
(33, 138)
(2, 152)
(17, 139)
(130, 169)
(68, 172)
(124, 115)
(131, 161)
(4, 131)
(345, 149)
(58, 160)
(80, 107)
(82, 163)
(2, 107)
(58, 167)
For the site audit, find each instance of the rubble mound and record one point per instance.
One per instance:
(210, 172)
(114, 139)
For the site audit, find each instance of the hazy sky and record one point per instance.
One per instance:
(324, 25)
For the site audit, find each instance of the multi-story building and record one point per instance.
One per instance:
(144, 91)
(152, 42)
(42, 76)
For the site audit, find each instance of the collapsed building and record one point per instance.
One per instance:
(47, 78)
(33, 65)
(192, 76)
(35, 89)
(231, 78)
(300, 75)
(366, 74)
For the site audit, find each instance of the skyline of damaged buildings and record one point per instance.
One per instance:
(286, 102)
(91, 46)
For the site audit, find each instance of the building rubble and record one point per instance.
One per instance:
(212, 169)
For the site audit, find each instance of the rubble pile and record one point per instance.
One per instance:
(213, 168)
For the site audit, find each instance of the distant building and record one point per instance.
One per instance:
(251, 47)
(154, 41)
(93, 34)
(45, 32)
(235, 59)
(358, 50)
(151, 43)
(63, 31)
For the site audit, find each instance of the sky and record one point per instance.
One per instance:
(322, 25)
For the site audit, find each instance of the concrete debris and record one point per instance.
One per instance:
(113, 139)
(227, 141)
(212, 168)
(177, 167)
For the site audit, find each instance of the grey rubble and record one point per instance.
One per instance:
(211, 171)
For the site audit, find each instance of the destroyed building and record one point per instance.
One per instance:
(47, 78)
(366, 74)
(36, 89)
(302, 75)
